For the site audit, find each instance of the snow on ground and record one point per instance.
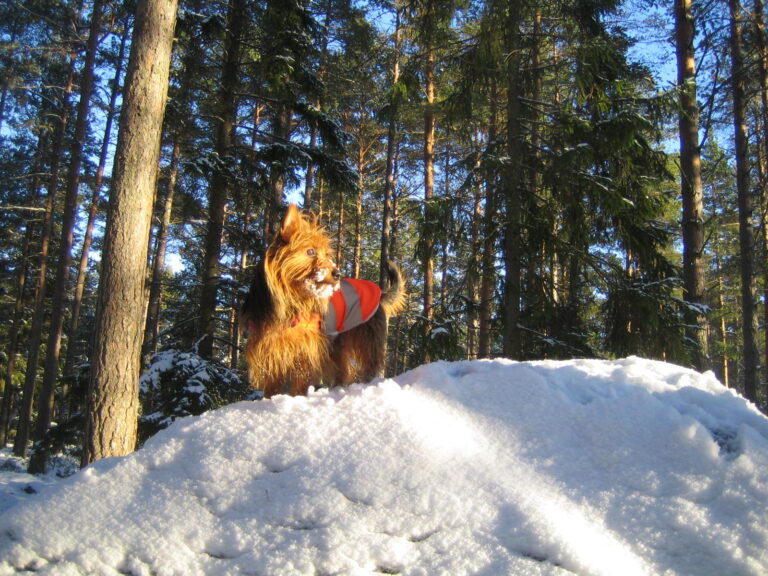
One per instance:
(586, 467)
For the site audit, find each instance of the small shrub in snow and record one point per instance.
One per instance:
(178, 384)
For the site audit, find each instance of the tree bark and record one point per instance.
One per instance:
(513, 185)
(738, 79)
(473, 273)
(38, 316)
(488, 278)
(116, 359)
(358, 244)
(694, 280)
(762, 64)
(10, 392)
(389, 177)
(428, 248)
(219, 191)
(39, 460)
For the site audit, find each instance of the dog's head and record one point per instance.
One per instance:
(299, 260)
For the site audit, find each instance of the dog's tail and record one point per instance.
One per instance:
(393, 291)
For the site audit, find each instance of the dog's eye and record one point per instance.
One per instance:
(311, 253)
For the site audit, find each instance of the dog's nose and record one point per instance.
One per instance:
(336, 274)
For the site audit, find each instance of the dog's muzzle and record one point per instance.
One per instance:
(323, 283)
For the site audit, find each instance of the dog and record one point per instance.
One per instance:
(305, 324)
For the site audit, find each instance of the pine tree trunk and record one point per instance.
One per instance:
(389, 177)
(738, 78)
(38, 316)
(242, 281)
(358, 244)
(473, 274)
(39, 460)
(152, 326)
(513, 185)
(694, 292)
(723, 331)
(340, 223)
(116, 358)
(488, 275)
(762, 172)
(762, 63)
(428, 247)
(219, 191)
(10, 391)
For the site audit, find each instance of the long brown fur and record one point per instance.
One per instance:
(287, 351)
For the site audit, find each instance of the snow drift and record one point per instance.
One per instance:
(491, 467)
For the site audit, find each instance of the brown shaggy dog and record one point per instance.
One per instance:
(301, 331)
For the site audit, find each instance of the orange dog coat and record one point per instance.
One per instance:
(352, 304)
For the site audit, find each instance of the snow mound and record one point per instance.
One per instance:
(489, 467)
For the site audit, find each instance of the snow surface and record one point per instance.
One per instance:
(583, 467)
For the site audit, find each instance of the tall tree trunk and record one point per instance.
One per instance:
(242, 269)
(488, 277)
(694, 292)
(340, 217)
(358, 245)
(473, 273)
(428, 245)
(38, 316)
(389, 177)
(152, 325)
(39, 460)
(219, 191)
(738, 78)
(10, 391)
(762, 174)
(513, 185)
(113, 397)
(724, 362)
(762, 63)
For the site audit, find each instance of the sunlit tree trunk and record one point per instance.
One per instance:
(358, 242)
(428, 246)
(746, 243)
(113, 398)
(690, 184)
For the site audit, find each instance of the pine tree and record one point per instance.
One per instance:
(746, 240)
(690, 184)
(113, 391)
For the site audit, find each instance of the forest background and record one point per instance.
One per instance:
(573, 179)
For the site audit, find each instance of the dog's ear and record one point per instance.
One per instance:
(291, 223)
